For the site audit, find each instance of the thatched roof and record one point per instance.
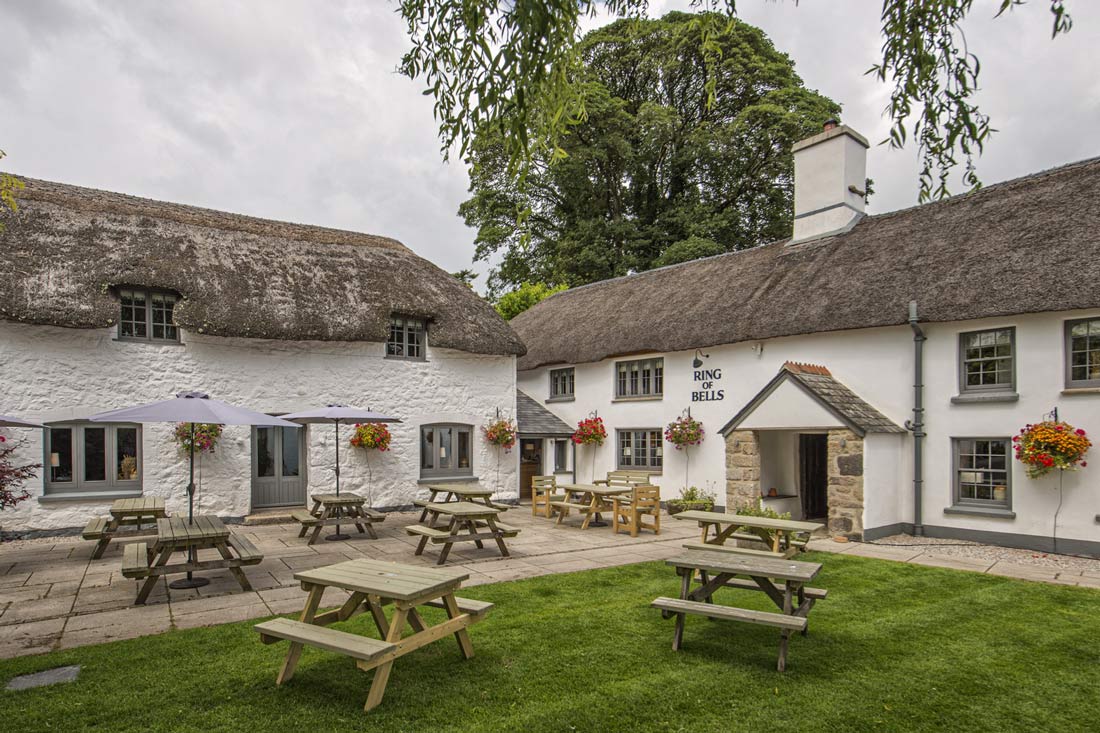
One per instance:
(819, 383)
(535, 421)
(1025, 246)
(68, 247)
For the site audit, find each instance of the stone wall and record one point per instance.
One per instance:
(742, 468)
(845, 494)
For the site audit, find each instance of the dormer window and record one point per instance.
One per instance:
(407, 337)
(146, 315)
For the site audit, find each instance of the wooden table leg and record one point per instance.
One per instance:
(108, 533)
(242, 579)
(358, 511)
(151, 580)
(382, 672)
(471, 527)
(461, 636)
(374, 603)
(415, 621)
(498, 535)
(326, 514)
(685, 592)
(590, 513)
(785, 634)
(295, 651)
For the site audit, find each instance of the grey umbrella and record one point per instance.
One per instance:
(191, 407)
(337, 414)
(14, 422)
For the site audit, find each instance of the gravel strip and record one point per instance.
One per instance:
(962, 548)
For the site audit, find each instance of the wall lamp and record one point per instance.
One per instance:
(697, 362)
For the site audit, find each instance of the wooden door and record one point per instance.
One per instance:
(278, 467)
(530, 464)
(813, 452)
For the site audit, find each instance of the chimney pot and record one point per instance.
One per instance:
(830, 124)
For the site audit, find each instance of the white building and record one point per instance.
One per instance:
(800, 359)
(110, 301)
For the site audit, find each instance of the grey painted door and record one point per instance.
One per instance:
(278, 467)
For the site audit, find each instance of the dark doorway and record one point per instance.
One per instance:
(813, 463)
(530, 464)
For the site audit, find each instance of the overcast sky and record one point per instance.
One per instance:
(291, 109)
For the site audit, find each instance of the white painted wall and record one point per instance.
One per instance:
(877, 364)
(779, 468)
(56, 373)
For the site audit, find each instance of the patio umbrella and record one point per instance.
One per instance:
(336, 414)
(191, 407)
(14, 422)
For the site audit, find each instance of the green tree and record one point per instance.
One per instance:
(467, 276)
(655, 174)
(512, 66)
(514, 302)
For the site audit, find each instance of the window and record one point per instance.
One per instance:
(641, 378)
(561, 383)
(561, 453)
(1083, 353)
(146, 315)
(640, 449)
(93, 457)
(406, 339)
(446, 450)
(986, 360)
(983, 475)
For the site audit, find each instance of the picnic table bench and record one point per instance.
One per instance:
(124, 513)
(477, 520)
(791, 596)
(593, 500)
(176, 534)
(456, 492)
(334, 509)
(777, 537)
(374, 584)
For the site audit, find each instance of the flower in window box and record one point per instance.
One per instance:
(501, 432)
(371, 436)
(1051, 445)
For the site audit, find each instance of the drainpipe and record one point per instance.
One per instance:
(916, 425)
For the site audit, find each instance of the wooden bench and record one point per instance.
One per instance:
(563, 504)
(476, 609)
(508, 529)
(96, 528)
(434, 534)
(712, 610)
(737, 550)
(246, 551)
(306, 519)
(363, 648)
(135, 560)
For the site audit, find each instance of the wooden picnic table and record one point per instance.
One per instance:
(125, 513)
(456, 492)
(791, 596)
(373, 584)
(479, 521)
(176, 534)
(593, 501)
(331, 509)
(782, 537)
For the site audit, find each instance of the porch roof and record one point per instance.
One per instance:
(534, 420)
(821, 386)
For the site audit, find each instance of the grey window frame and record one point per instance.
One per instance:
(965, 388)
(148, 337)
(656, 379)
(403, 322)
(563, 445)
(569, 375)
(652, 434)
(450, 472)
(1072, 383)
(956, 474)
(111, 483)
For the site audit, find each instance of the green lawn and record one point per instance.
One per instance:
(895, 647)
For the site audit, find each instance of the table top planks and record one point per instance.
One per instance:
(463, 509)
(461, 489)
(177, 530)
(386, 579)
(139, 506)
(744, 520)
(751, 565)
(594, 489)
(343, 498)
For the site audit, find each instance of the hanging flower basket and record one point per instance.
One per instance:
(1051, 445)
(501, 432)
(590, 431)
(371, 436)
(684, 431)
(206, 437)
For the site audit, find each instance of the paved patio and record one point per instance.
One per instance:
(54, 596)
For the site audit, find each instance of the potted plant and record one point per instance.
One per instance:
(1051, 445)
(691, 497)
(756, 509)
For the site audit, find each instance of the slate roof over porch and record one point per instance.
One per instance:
(534, 420)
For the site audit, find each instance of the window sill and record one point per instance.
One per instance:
(147, 342)
(87, 496)
(984, 397)
(413, 359)
(980, 511)
(1080, 390)
(447, 480)
(560, 399)
(647, 398)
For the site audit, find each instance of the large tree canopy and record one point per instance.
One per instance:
(511, 65)
(656, 173)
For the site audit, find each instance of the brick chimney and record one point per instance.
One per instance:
(830, 174)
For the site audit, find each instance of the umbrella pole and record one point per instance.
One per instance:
(190, 581)
(336, 536)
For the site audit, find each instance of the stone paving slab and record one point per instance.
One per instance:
(57, 597)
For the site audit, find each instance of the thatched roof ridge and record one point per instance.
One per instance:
(1024, 246)
(69, 247)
